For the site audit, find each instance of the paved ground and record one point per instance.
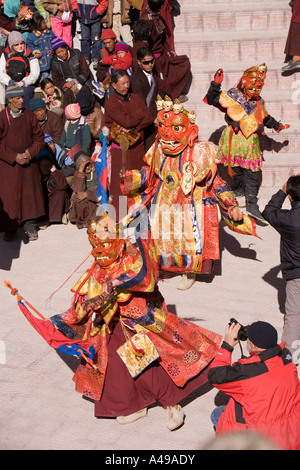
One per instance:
(39, 407)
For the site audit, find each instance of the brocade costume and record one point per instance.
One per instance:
(183, 192)
(184, 348)
(246, 117)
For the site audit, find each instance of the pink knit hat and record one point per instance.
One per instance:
(72, 111)
(121, 46)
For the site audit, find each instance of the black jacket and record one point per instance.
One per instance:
(287, 223)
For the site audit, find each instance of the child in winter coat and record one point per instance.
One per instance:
(122, 59)
(52, 96)
(39, 42)
(76, 130)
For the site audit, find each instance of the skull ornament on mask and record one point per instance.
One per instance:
(107, 247)
(252, 81)
(175, 131)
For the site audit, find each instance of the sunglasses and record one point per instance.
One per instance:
(147, 62)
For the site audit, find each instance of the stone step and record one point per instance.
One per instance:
(203, 74)
(224, 47)
(233, 5)
(212, 18)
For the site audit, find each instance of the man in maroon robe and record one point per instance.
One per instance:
(130, 113)
(21, 139)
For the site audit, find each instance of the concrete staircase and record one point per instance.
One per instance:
(235, 35)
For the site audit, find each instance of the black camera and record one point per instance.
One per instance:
(243, 331)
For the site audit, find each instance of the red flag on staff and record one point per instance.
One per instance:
(52, 335)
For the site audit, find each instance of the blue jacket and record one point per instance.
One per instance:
(87, 11)
(42, 42)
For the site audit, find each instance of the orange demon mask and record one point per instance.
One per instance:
(107, 246)
(176, 126)
(252, 81)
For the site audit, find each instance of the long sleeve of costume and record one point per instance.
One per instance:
(227, 201)
(213, 94)
(271, 123)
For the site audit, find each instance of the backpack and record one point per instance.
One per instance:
(17, 67)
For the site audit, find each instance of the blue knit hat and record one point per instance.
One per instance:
(14, 90)
(37, 103)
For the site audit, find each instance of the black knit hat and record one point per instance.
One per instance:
(263, 335)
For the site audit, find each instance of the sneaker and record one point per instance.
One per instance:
(96, 85)
(32, 235)
(99, 93)
(186, 281)
(292, 66)
(133, 417)
(176, 417)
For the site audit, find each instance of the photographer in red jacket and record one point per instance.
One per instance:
(264, 388)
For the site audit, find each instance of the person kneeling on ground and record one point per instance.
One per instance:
(264, 388)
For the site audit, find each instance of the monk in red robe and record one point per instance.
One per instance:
(21, 195)
(131, 115)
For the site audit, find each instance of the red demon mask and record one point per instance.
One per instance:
(252, 81)
(175, 130)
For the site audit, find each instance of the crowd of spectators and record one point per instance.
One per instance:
(57, 105)
(68, 91)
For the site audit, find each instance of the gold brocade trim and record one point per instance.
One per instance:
(91, 288)
(157, 326)
(170, 179)
(248, 123)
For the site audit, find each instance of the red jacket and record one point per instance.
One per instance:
(265, 394)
